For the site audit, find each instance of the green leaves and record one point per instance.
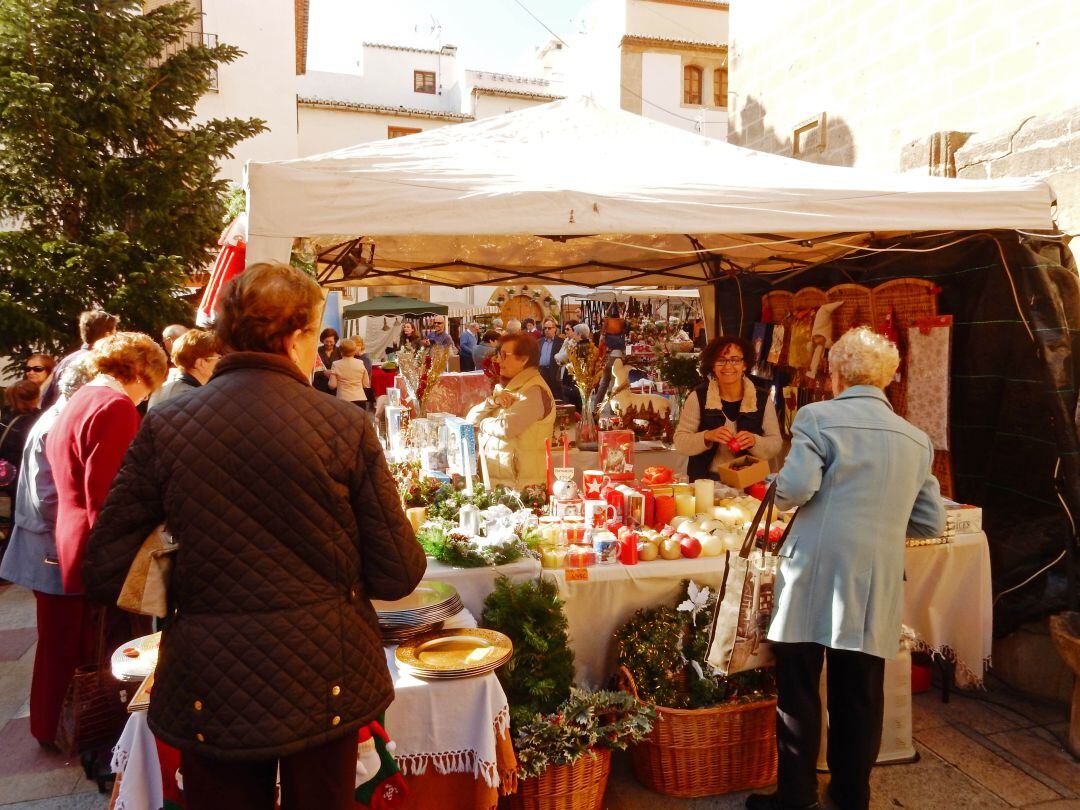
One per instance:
(539, 676)
(110, 183)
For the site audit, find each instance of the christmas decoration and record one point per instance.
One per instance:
(664, 648)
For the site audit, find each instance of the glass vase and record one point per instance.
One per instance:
(586, 426)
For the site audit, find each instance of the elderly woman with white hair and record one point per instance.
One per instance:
(862, 478)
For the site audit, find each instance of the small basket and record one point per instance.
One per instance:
(577, 786)
(705, 752)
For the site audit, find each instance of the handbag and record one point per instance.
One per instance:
(146, 586)
(744, 606)
(94, 710)
(8, 471)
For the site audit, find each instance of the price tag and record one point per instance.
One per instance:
(577, 574)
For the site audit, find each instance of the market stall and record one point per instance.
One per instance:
(563, 198)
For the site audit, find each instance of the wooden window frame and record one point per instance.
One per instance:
(422, 80)
(400, 132)
(690, 73)
(720, 87)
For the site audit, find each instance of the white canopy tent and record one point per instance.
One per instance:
(572, 193)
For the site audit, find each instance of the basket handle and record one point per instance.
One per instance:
(625, 682)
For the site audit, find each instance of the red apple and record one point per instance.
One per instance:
(690, 546)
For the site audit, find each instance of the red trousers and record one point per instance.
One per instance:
(320, 778)
(66, 639)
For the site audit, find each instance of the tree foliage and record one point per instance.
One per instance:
(109, 194)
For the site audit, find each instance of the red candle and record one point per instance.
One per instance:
(550, 474)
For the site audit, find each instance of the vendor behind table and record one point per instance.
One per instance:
(727, 415)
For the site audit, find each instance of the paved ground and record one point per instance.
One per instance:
(993, 749)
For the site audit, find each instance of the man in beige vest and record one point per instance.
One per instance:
(513, 423)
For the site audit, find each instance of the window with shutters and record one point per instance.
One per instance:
(720, 89)
(423, 81)
(691, 84)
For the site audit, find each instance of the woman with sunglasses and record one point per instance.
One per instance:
(727, 415)
(39, 370)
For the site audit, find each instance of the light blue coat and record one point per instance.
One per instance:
(30, 559)
(861, 475)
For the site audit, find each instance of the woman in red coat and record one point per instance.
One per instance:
(84, 448)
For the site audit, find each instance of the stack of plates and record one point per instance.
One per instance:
(460, 653)
(422, 611)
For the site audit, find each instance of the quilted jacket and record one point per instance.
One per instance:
(288, 523)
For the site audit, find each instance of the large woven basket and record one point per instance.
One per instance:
(704, 752)
(578, 786)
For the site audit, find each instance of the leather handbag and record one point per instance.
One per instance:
(146, 586)
(95, 706)
(744, 606)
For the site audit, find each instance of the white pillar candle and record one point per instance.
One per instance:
(703, 495)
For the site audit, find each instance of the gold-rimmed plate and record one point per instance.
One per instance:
(458, 652)
(426, 596)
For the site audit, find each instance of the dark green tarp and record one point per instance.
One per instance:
(1013, 395)
(393, 305)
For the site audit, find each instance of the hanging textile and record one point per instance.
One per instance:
(928, 377)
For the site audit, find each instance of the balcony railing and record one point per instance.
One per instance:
(191, 39)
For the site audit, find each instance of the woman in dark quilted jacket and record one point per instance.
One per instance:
(288, 524)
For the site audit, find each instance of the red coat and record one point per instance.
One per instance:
(85, 448)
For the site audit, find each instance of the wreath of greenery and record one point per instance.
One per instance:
(585, 721)
(665, 649)
(441, 539)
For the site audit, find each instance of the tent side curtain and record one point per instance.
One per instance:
(393, 305)
(1015, 365)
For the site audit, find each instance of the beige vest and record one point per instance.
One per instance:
(519, 461)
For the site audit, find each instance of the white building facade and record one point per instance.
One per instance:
(262, 82)
(663, 59)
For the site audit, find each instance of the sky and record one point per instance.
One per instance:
(493, 35)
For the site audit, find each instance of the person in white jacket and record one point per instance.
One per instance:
(349, 375)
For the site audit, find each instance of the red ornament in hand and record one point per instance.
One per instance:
(734, 446)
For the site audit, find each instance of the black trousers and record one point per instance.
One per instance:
(856, 705)
(320, 778)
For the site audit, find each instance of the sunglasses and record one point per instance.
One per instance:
(36, 368)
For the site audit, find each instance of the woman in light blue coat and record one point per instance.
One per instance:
(30, 560)
(861, 477)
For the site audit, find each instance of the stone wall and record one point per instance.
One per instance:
(887, 75)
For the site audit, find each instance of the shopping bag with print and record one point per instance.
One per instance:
(744, 606)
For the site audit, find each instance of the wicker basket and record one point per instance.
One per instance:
(704, 752)
(578, 786)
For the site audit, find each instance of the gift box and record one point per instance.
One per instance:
(397, 422)
(966, 518)
(616, 449)
(743, 471)
(460, 446)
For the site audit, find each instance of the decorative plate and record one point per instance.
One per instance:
(426, 596)
(459, 651)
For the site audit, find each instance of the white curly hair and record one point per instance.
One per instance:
(863, 357)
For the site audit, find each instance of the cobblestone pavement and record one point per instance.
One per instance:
(993, 749)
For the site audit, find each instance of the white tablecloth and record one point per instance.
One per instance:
(582, 460)
(450, 725)
(474, 584)
(597, 607)
(948, 602)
